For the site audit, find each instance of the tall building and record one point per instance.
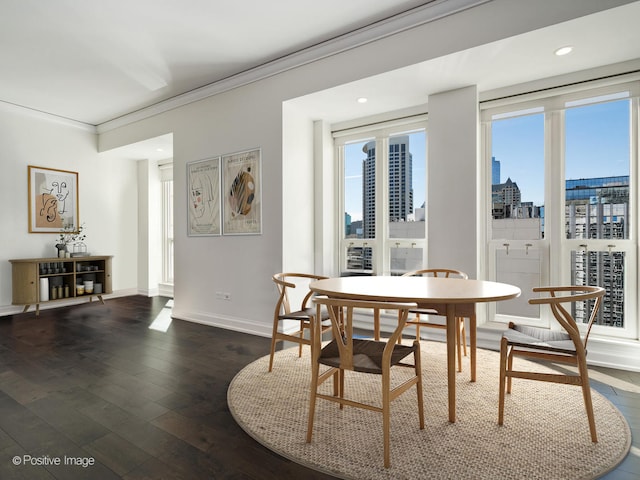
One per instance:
(598, 208)
(495, 171)
(505, 199)
(347, 224)
(400, 183)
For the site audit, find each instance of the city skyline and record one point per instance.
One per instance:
(597, 145)
(594, 133)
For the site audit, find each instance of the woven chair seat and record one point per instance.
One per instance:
(367, 355)
(540, 338)
(305, 314)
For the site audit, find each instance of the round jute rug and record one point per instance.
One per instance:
(545, 433)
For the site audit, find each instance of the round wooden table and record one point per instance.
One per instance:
(451, 297)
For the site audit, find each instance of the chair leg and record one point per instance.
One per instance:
(340, 384)
(463, 335)
(302, 327)
(418, 370)
(503, 373)
(586, 393)
(273, 344)
(386, 420)
(458, 346)
(509, 368)
(315, 370)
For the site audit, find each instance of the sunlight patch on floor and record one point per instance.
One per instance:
(614, 381)
(162, 322)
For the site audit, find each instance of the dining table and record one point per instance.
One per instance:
(450, 297)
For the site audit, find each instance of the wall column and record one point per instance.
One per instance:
(453, 167)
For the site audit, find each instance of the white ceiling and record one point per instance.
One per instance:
(94, 61)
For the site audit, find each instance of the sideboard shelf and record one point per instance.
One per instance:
(61, 274)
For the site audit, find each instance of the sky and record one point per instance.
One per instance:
(597, 145)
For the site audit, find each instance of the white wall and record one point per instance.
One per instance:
(107, 196)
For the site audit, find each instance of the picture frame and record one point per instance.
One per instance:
(242, 193)
(203, 197)
(53, 200)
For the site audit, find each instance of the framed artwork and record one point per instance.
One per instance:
(241, 193)
(203, 190)
(53, 200)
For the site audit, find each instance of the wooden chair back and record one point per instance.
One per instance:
(437, 272)
(298, 310)
(569, 295)
(285, 282)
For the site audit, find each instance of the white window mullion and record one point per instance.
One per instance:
(554, 197)
(382, 206)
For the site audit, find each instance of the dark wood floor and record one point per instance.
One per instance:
(94, 383)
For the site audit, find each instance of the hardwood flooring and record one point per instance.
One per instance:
(93, 383)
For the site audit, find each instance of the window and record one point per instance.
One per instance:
(560, 200)
(383, 194)
(517, 205)
(597, 161)
(166, 175)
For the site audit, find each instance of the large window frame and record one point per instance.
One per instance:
(380, 247)
(166, 178)
(555, 249)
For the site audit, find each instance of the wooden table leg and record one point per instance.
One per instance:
(452, 332)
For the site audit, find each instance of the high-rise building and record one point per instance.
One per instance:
(598, 208)
(400, 183)
(505, 199)
(495, 171)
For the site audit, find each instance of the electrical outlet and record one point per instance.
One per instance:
(226, 296)
(219, 295)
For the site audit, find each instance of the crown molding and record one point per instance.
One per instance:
(49, 117)
(412, 18)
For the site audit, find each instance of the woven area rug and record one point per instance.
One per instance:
(545, 434)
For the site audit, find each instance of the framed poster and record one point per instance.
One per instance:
(242, 193)
(53, 200)
(203, 190)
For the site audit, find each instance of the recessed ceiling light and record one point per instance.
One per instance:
(362, 100)
(159, 150)
(563, 50)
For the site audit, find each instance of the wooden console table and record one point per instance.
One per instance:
(29, 273)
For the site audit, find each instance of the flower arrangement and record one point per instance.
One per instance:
(70, 234)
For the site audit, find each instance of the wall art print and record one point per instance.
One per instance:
(53, 200)
(203, 187)
(242, 193)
